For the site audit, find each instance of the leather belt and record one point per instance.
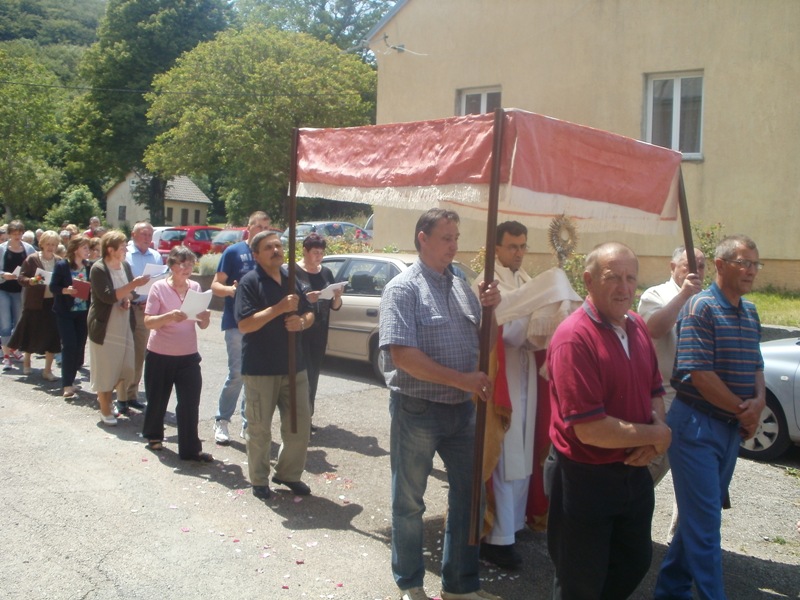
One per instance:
(706, 409)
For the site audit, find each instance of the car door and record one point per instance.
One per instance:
(354, 325)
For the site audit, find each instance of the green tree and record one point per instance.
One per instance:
(344, 23)
(27, 125)
(229, 107)
(77, 205)
(137, 40)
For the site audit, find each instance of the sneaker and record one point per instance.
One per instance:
(504, 556)
(109, 420)
(136, 404)
(121, 408)
(221, 435)
(415, 593)
(476, 595)
(7, 366)
(17, 356)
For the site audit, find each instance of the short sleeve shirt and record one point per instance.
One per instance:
(437, 314)
(266, 351)
(172, 339)
(236, 261)
(591, 377)
(714, 335)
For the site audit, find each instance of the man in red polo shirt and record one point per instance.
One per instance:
(607, 424)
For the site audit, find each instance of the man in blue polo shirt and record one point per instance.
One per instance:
(720, 393)
(236, 261)
(266, 311)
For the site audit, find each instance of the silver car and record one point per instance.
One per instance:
(780, 420)
(353, 331)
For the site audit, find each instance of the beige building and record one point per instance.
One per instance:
(717, 80)
(185, 203)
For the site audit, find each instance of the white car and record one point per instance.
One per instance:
(353, 329)
(780, 419)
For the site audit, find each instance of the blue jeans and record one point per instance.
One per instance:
(419, 430)
(10, 312)
(703, 456)
(232, 387)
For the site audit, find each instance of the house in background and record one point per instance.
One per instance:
(185, 203)
(716, 80)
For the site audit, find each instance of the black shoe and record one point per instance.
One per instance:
(136, 404)
(121, 408)
(262, 492)
(505, 557)
(298, 487)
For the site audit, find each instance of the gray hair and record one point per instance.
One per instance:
(593, 257)
(726, 249)
(257, 238)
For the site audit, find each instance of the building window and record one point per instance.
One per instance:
(196, 217)
(478, 100)
(122, 213)
(675, 112)
(169, 214)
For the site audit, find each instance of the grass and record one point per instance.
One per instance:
(777, 307)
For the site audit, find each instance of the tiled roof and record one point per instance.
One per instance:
(182, 189)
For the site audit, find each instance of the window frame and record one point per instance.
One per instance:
(676, 77)
(461, 98)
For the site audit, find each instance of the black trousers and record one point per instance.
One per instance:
(598, 527)
(73, 331)
(315, 340)
(161, 373)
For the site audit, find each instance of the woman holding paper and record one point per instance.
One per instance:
(172, 358)
(37, 331)
(316, 278)
(71, 290)
(111, 323)
(13, 253)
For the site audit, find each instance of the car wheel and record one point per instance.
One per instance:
(376, 357)
(772, 437)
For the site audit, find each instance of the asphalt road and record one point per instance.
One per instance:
(88, 512)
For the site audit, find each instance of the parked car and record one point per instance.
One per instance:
(195, 237)
(369, 225)
(353, 329)
(157, 231)
(780, 419)
(227, 237)
(326, 229)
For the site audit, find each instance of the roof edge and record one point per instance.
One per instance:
(386, 18)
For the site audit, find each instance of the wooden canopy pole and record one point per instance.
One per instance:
(292, 216)
(476, 518)
(686, 225)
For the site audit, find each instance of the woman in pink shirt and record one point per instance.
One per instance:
(172, 358)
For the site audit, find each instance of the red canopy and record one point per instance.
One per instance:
(550, 167)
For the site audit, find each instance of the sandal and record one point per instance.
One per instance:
(155, 445)
(199, 457)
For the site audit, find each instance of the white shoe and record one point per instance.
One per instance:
(476, 595)
(221, 435)
(416, 593)
(109, 420)
(242, 432)
(7, 366)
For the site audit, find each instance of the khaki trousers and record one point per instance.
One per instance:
(140, 336)
(264, 393)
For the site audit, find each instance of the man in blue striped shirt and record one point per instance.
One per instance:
(720, 392)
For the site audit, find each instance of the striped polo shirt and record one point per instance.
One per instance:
(714, 335)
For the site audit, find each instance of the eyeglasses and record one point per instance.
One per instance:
(745, 264)
(516, 248)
